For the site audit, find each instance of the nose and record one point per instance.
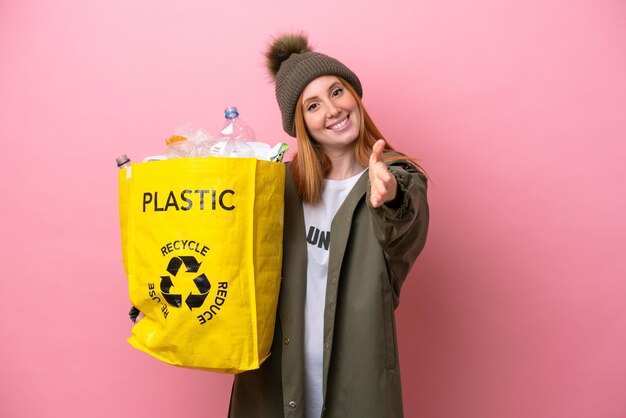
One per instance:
(332, 110)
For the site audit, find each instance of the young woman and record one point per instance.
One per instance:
(356, 218)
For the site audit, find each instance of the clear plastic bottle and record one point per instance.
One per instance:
(203, 144)
(183, 142)
(236, 134)
(178, 146)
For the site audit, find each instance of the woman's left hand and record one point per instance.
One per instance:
(383, 184)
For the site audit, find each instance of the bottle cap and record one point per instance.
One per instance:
(231, 112)
(174, 139)
(121, 160)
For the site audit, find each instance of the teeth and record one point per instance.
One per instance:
(340, 124)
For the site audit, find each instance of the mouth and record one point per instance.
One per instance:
(339, 125)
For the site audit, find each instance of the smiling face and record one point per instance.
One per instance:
(331, 113)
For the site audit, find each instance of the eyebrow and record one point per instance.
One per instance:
(330, 88)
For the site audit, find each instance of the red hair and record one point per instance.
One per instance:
(310, 164)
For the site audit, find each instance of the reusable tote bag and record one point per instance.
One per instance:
(202, 249)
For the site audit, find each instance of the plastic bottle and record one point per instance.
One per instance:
(178, 146)
(203, 146)
(183, 142)
(201, 140)
(236, 134)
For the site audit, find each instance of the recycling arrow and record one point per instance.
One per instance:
(202, 283)
(166, 284)
(191, 264)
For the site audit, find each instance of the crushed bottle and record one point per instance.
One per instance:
(236, 134)
(186, 139)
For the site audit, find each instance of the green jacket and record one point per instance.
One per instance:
(371, 253)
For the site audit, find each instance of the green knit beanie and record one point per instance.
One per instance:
(293, 65)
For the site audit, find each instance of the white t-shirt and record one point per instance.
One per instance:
(317, 221)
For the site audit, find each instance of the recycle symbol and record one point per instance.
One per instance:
(201, 282)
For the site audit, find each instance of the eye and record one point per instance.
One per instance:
(312, 107)
(337, 92)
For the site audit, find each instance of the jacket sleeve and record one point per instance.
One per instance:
(401, 230)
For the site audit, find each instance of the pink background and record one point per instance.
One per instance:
(517, 307)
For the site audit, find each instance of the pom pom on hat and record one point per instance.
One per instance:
(293, 65)
(282, 48)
